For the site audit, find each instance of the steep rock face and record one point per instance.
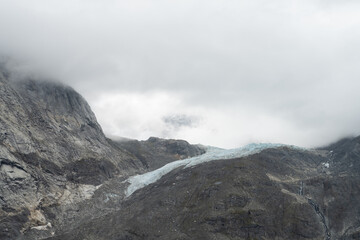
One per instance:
(342, 188)
(50, 143)
(60, 124)
(57, 168)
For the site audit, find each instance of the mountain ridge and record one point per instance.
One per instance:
(62, 178)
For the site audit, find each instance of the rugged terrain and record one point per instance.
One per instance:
(61, 178)
(54, 156)
(280, 193)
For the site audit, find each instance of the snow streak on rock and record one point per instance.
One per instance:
(212, 153)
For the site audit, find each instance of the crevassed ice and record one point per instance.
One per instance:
(211, 154)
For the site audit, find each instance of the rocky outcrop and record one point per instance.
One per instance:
(156, 152)
(50, 143)
(341, 189)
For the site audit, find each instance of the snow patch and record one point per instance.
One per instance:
(211, 154)
(43, 227)
(75, 193)
(110, 196)
(87, 191)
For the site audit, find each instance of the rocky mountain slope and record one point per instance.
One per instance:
(277, 193)
(61, 178)
(54, 156)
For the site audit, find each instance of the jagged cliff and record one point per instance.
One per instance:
(53, 157)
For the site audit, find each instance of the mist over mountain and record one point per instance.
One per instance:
(179, 120)
(62, 178)
(279, 71)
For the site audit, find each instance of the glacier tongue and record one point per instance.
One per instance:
(211, 154)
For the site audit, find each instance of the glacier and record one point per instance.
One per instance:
(212, 153)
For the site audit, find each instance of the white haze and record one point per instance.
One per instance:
(216, 72)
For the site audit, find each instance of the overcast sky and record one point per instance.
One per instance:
(216, 72)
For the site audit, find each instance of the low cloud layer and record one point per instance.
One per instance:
(215, 72)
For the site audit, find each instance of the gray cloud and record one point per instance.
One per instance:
(180, 120)
(294, 62)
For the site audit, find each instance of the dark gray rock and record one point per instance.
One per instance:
(50, 145)
(156, 152)
(243, 198)
(281, 193)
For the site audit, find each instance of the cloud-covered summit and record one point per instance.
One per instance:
(283, 71)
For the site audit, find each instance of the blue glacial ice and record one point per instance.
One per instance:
(211, 154)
